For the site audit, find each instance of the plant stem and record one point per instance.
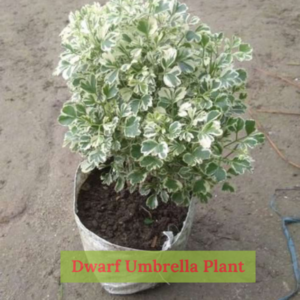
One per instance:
(237, 140)
(233, 150)
(147, 211)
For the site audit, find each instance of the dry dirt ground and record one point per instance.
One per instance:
(37, 174)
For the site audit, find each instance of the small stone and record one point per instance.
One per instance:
(102, 209)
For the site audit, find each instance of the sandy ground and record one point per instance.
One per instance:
(37, 174)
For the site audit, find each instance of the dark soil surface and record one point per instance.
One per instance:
(123, 219)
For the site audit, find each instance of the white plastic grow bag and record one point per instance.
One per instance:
(92, 242)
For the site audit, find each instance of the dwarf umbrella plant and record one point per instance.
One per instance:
(156, 98)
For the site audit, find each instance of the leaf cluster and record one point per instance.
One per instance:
(157, 98)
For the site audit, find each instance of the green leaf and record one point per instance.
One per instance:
(192, 36)
(205, 40)
(204, 197)
(90, 85)
(209, 84)
(171, 79)
(224, 60)
(147, 26)
(240, 165)
(65, 120)
(215, 171)
(178, 197)
(148, 221)
(244, 53)
(245, 48)
(197, 156)
(119, 161)
(136, 152)
(169, 57)
(181, 8)
(146, 102)
(80, 110)
(162, 7)
(229, 78)
(150, 130)
(149, 147)
(250, 126)
(172, 185)
(119, 184)
(189, 159)
(217, 149)
(151, 163)
(201, 187)
(201, 154)
(162, 150)
(144, 26)
(194, 20)
(109, 91)
(152, 202)
(69, 110)
(107, 179)
(85, 142)
(212, 115)
(222, 102)
(116, 146)
(112, 77)
(135, 106)
(97, 157)
(242, 76)
(220, 174)
(109, 42)
(126, 94)
(132, 189)
(187, 66)
(136, 177)
(253, 140)
(240, 124)
(132, 127)
(169, 96)
(179, 94)
(125, 110)
(203, 28)
(209, 130)
(177, 148)
(87, 166)
(185, 172)
(228, 188)
(174, 130)
(152, 147)
(259, 137)
(126, 38)
(144, 189)
(164, 196)
(236, 41)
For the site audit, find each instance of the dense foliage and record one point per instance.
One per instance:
(157, 98)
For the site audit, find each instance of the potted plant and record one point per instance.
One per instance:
(156, 108)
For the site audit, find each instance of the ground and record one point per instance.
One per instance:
(36, 178)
